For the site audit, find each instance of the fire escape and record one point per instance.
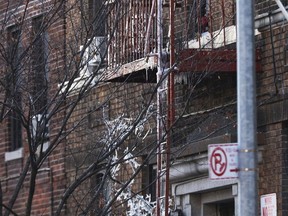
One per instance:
(189, 36)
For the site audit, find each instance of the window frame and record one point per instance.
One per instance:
(39, 59)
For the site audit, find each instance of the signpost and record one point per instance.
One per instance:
(246, 109)
(223, 161)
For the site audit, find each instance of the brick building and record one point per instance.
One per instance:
(79, 86)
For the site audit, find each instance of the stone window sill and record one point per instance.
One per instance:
(14, 155)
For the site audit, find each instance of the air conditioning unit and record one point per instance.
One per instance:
(93, 56)
(97, 50)
(39, 126)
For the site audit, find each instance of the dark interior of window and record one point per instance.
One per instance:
(39, 59)
(13, 80)
(97, 17)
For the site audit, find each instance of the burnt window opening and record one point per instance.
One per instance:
(13, 88)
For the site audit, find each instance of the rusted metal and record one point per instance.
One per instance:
(211, 23)
(147, 63)
(136, 26)
(194, 60)
(223, 22)
(149, 27)
(131, 40)
(171, 106)
(198, 22)
(186, 24)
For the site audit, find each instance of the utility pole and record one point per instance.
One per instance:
(246, 110)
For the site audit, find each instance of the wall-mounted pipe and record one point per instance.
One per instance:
(188, 169)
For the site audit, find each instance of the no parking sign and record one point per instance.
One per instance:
(223, 161)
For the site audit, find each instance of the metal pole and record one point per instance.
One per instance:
(170, 99)
(147, 37)
(159, 184)
(247, 191)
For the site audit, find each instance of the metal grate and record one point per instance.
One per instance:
(128, 42)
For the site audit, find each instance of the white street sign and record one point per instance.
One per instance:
(269, 205)
(223, 161)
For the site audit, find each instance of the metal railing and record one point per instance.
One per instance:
(132, 27)
(128, 24)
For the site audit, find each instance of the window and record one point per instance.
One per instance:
(149, 179)
(198, 21)
(39, 81)
(39, 71)
(15, 130)
(13, 79)
(100, 192)
(152, 182)
(93, 48)
(96, 14)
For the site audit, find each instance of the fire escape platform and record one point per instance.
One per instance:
(211, 60)
(190, 60)
(141, 70)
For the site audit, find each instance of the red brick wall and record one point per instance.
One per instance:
(50, 182)
(85, 143)
(128, 99)
(271, 91)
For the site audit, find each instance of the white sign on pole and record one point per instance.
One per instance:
(223, 161)
(269, 205)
